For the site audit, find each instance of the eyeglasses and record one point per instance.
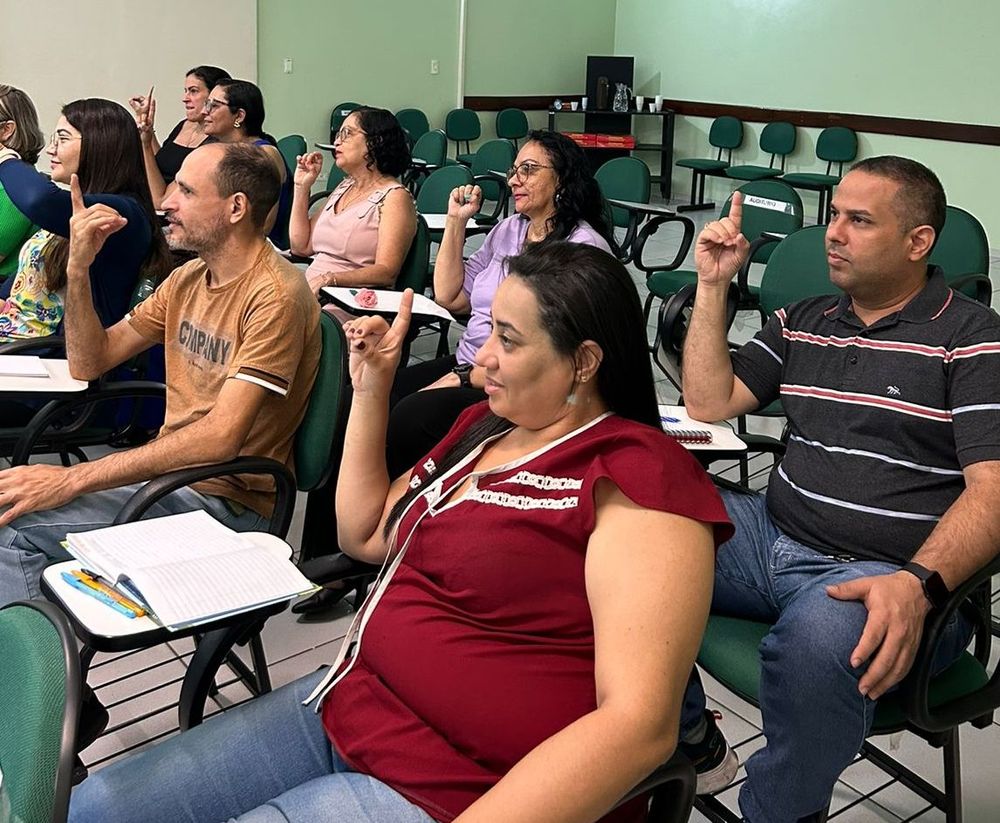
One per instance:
(212, 104)
(523, 171)
(346, 133)
(58, 140)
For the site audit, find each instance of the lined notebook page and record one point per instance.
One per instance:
(22, 365)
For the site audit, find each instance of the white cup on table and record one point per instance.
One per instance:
(659, 101)
(574, 105)
(639, 102)
(583, 103)
(652, 107)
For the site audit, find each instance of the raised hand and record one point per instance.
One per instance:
(145, 115)
(721, 247)
(307, 169)
(89, 227)
(465, 202)
(375, 347)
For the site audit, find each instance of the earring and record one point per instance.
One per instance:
(237, 124)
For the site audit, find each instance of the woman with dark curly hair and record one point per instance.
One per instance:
(556, 198)
(362, 234)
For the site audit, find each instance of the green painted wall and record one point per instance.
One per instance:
(380, 53)
(904, 58)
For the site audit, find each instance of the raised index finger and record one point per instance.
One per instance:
(401, 322)
(736, 210)
(75, 194)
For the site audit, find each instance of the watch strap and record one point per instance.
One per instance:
(934, 588)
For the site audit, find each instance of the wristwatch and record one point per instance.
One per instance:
(934, 588)
(463, 370)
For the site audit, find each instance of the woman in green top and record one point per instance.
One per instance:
(20, 131)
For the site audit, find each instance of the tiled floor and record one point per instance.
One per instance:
(295, 649)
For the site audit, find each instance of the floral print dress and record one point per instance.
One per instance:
(31, 310)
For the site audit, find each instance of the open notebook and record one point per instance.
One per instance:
(189, 568)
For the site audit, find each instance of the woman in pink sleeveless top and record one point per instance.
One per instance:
(362, 234)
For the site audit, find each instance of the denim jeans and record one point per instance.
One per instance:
(268, 761)
(32, 542)
(814, 717)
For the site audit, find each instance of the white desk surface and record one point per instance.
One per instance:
(648, 208)
(723, 437)
(58, 381)
(436, 222)
(102, 620)
(388, 302)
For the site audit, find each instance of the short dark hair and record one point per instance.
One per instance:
(209, 75)
(385, 141)
(247, 168)
(920, 200)
(578, 196)
(27, 139)
(583, 293)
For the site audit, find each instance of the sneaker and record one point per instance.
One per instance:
(714, 761)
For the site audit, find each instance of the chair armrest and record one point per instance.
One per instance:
(319, 197)
(915, 687)
(650, 228)
(755, 246)
(337, 566)
(52, 345)
(137, 505)
(984, 288)
(678, 780)
(675, 312)
(33, 432)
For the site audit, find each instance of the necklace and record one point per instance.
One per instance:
(354, 195)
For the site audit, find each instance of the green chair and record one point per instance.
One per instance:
(931, 706)
(462, 126)
(490, 164)
(292, 146)
(428, 153)
(40, 691)
(769, 208)
(339, 115)
(314, 451)
(725, 134)
(836, 144)
(776, 139)
(414, 123)
(432, 198)
(963, 252)
(512, 124)
(333, 179)
(627, 179)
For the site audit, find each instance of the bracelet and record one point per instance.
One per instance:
(334, 283)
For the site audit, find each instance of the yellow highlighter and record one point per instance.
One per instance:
(99, 585)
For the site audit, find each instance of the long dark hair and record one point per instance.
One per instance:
(110, 163)
(242, 94)
(385, 141)
(578, 196)
(583, 293)
(27, 139)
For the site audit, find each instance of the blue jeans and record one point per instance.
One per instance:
(32, 542)
(814, 717)
(268, 761)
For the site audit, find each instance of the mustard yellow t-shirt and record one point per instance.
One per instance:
(262, 327)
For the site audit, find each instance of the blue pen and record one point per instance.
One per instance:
(82, 587)
(665, 419)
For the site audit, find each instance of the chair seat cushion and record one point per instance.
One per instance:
(703, 164)
(730, 652)
(808, 179)
(665, 283)
(752, 172)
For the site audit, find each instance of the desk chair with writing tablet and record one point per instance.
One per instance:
(314, 440)
(625, 179)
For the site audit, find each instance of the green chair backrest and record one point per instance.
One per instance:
(796, 269)
(325, 412)
(334, 177)
(291, 146)
(414, 122)
(726, 132)
(768, 206)
(778, 138)
(493, 155)
(837, 144)
(962, 248)
(623, 178)
(433, 195)
(39, 707)
(462, 124)
(431, 147)
(339, 115)
(512, 124)
(414, 272)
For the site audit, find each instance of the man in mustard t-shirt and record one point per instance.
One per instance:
(240, 332)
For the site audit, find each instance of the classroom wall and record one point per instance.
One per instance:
(117, 48)
(380, 53)
(903, 58)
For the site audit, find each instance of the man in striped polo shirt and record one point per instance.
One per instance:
(889, 493)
